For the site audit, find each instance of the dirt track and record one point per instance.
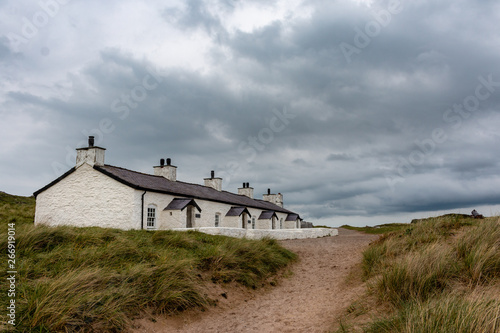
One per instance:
(311, 300)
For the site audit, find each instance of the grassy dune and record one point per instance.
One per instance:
(94, 279)
(438, 275)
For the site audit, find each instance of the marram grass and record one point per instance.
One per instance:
(430, 272)
(98, 280)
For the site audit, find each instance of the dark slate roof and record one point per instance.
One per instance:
(181, 203)
(237, 211)
(292, 217)
(267, 215)
(160, 184)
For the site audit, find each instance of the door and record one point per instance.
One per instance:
(189, 217)
(244, 220)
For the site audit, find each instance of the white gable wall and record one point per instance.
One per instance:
(88, 198)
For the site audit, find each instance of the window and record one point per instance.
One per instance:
(217, 219)
(253, 222)
(281, 223)
(151, 218)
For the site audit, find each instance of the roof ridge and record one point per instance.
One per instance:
(142, 173)
(148, 174)
(200, 187)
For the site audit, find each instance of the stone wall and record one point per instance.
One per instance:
(260, 233)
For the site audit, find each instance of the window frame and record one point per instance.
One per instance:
(151, 217)
(217, 220)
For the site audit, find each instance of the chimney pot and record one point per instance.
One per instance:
(246, 190)
(215, 183)
(268, 191)
(168, 171)
(91, 155)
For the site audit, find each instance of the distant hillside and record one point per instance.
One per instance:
(18, 209)
(15, 199)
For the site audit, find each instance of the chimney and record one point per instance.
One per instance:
(276, 199)
(168, 171)
(246, 190)
(91, 155)
(213, 182)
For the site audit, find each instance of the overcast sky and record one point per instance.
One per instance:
(359, 112)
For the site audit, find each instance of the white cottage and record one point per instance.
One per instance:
(95, 194)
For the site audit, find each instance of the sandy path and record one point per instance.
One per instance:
(311, 300)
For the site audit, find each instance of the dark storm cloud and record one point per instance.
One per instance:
(360, 138)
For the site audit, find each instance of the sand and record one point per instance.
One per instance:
(312, 299)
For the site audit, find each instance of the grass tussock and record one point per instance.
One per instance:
(98, 280)
(417, 276)
(429, 272)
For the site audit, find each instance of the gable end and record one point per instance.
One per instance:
(52, 183)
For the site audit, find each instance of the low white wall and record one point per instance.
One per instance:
(260, 233)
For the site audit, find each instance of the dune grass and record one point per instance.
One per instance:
(95, 279)
(433, 274)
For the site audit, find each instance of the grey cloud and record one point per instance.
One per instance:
(196, 15)
(353, 123)
(339, 157)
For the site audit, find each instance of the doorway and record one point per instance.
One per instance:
(244, 220)
(189, 216)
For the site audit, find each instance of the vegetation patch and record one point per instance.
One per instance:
(432, 276)
(379, 229)
(95, 279)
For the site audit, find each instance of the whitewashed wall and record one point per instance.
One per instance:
(275, 234)
(282, 218)
(232, 222)
(87, 198)
(164, 219)
(208, 210)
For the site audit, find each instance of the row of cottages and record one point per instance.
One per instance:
(95, 194)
